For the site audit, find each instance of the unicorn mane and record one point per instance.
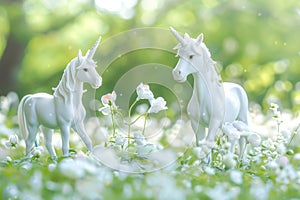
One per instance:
(67, 82)
(196, 48)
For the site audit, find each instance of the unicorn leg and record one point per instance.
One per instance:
(231, 150)
(48, 140)
(32, 131)
(243, 116)
(242, 147)
(79, 128)
(199, 131)
(213, 130)
(210, 139)
(65, 133)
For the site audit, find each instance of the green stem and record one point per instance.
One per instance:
(129, 116)
(294, 133)
(137, 118)
(145, 121)
(243, 153)
(113, 121)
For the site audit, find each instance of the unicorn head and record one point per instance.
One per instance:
(86, 70)
(194, 56)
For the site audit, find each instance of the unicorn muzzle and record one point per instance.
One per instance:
(177, 75)
(98, 83)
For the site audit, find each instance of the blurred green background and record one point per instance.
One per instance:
(256, 43)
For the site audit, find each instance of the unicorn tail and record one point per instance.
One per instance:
(22, 119)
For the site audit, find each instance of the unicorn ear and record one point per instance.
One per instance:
(199, 39)
(79, 55)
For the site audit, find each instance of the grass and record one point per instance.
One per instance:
(170, 170)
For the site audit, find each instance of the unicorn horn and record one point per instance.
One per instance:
(93, 50)
(177, 35)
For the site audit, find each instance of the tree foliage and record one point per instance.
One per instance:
(254, 42)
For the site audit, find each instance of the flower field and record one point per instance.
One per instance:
(163, 166)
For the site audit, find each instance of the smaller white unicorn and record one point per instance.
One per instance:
(213, 103)
(63, 109)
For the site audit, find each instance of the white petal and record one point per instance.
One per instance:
(105, 110)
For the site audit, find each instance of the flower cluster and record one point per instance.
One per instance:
(156, 104)
(270, 169)
(221, 154)
(109, 108)
(276, 114)
(238, 129)
(109, 103)
(12, 141)
(143, 92)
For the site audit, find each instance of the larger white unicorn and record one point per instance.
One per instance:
(63, 109)
(213, 103)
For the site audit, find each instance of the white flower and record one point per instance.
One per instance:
(27, 165)
(199, 153)
(88, 188)
(236, 177)
(283, 161)
(108, 101)
(36, 181)
(254, 139)
(278, 117)
(37, 152)
(223, 191)
(232, 133)
(229, 161)
(286, 133)
(8, 159)
(259, 190)
(209, 170)
(52, 167)
(166, 187)
(297, 156)
(143, 92)
(120, 140)
(77, 168)
(86, 165)
(105, 110)
(13, 141)
(145, 149)
(140, 138)
(69, 169)
(274, 107)
(157, 105)
(281, 149)
(204, 149)
(277, 114)
(109, 98)
(272, 165)
(12, 191)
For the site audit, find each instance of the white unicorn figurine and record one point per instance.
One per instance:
(213, 103)
(63, 109)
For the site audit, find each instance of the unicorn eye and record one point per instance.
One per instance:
(85, 69)
(191, 57)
